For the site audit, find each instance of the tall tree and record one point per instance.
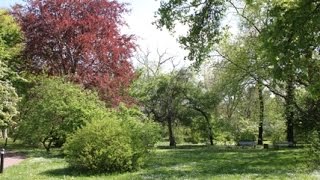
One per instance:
(292, 51)
(81, 39)
(10, 47)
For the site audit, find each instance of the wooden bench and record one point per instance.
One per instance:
(277, 145)
(247, 143)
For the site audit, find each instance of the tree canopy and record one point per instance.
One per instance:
(81, 39)
(10, 47)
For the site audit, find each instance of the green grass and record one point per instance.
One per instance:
(186, 162)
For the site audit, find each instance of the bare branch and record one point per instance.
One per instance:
(243, 16)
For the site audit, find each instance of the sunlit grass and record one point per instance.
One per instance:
(184, 162)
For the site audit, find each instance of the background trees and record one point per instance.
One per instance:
(81, 40)
(277, 53)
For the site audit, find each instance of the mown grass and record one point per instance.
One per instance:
(186, 162)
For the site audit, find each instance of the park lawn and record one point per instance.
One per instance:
(186, 162)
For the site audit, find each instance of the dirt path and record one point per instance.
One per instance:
(12, 158)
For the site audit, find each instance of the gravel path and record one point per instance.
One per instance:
(12, 158)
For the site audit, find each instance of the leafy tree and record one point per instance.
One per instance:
(54, 108)
(80, 39)
(10, 47)
(10, 37)
(8, 102)
(245, 71)
(204, 102)
(203, 19)
(161, 97)
(293, 53)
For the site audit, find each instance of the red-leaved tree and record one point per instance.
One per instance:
(80, 39)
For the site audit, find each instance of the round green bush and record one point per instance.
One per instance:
(115, 143)
(100, 146)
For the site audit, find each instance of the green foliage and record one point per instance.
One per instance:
(274, 126)
(314, 149)
(143, 132)
(8, 99)
(202, 19)
(199, 130)
(10, 36)
(10, 47)
(246, 130)
(162, 97)
(116, 142)
(8, 104)
(54, 108)
(101, 146)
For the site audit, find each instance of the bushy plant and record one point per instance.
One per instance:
(198, 131)
(53, 108)
(246, 130)
(143, 132)
(116, 142)
(247, 136)
(314, 149)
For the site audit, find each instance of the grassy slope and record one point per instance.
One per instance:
(188, 163)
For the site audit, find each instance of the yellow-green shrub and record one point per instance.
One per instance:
(115, 143)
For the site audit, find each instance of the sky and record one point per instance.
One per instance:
(149, 38)
(139, 22)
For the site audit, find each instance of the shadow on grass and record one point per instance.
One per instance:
(71, 172)
(67, 171)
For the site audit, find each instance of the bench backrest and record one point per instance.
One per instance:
(284, 143)
(247, 143)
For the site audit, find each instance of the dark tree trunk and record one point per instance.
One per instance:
(289, 110)
(210, 133)
(172, 139)
(207, 117)
(261, 113)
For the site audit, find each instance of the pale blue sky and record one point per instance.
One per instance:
(139, 21)
(8, 3)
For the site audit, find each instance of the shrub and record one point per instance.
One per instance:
(115, 143)
(314, 149)
(52, 109)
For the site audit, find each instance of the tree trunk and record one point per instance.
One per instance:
(210, 133)
(5, 135)
(207, 117)
(289, 110)
(172, 139)
(261, 113)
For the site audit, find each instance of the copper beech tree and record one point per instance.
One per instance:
(81, 40)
